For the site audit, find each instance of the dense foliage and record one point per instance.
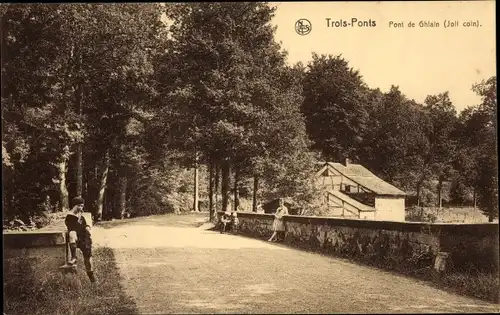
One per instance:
(119, 103)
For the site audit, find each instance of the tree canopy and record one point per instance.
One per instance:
(118, 103)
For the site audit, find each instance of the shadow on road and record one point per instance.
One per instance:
(110, 296)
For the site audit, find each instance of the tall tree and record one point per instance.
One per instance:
(125, 41)
(396, 146)
(442, 151)
(487, 161)
(38, 91)
(334, 107)
(467, 135)
(97, 78)
(228, 92)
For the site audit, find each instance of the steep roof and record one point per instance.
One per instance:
(351, 201)
(362, 176)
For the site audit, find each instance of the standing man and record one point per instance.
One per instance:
(80, 236)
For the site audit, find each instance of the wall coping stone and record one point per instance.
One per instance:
(438, 228)
(28, 239)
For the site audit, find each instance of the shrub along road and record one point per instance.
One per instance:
(167, 265)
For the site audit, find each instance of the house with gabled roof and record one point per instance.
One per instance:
(352, 191)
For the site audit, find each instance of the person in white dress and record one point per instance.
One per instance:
(278, 224)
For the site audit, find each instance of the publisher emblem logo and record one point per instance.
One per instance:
(303, 27)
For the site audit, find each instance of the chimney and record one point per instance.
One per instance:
(347, 161)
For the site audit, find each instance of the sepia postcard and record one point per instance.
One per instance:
(250, 157)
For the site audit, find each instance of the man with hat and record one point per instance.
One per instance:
(80, 236)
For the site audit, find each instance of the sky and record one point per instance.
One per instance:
(420, 60)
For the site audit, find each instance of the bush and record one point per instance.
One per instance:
(418, 214)
(162, 190)
(484, 286)
(33, 286)
(33, 222)
(41, 220)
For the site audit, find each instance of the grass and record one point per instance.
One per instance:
(481, 285)
(447, 214)
(31, 286)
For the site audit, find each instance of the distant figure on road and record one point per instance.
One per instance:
(234, 222)
(278, 224)
(224, 221)
(80, 236)
(260, 209)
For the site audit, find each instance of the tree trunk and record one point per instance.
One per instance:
(211, 191)
(91, 188)
(7, 172)
(225, 185)
(79, 150)
(440, 191)
(216, 188)
(419, 185)
(62, 168)
(254, 195)
(11, 102)
(196, 192)
(63, 191)
(102, 186)
(474, 198)
(7, 193)
(85, 189)
(85, 181)
(121, 195)
(79, 170)
(236, 192)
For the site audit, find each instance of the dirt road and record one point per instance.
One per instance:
(169, 266)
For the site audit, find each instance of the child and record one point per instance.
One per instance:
(225, 219)
(80, 236)
(234, 222)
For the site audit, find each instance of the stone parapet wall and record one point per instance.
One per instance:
(32, 239)
(405, 246)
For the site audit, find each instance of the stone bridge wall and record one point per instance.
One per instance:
(45, 245)
(405, 246)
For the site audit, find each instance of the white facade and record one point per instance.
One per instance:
(340, 205)
(367, 215)
(390, 209)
